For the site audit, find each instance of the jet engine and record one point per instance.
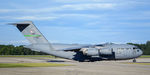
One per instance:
(90, 51)
(105, 51)
(96, 51)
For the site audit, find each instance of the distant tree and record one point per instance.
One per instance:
(18, 50)
(147, 49)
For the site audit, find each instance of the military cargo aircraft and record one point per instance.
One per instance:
(76, 52)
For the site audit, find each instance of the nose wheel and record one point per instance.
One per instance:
(134, 60)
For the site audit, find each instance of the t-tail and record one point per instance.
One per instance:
(34, 36)
(38, 41)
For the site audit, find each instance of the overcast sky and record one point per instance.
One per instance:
(78, 21)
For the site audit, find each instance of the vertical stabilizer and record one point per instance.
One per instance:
(33, 35)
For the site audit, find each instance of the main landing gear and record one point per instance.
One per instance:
(134, 60)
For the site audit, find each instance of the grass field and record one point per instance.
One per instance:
(12, 65)
(145, 56)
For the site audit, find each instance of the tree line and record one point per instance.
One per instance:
(17, 50)
(20, 50)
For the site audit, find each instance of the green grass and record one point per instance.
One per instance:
(145, 56)
(13, 65)
(49, 56)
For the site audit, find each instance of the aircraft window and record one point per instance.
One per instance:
(127, 48)
(138, 50)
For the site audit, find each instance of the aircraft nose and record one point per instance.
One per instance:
(141, 52)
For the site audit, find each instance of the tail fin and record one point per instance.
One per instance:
(33, 35)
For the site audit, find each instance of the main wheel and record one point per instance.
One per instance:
(134, 60)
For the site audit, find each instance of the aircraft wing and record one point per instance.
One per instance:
(78, 48)
(74, 48)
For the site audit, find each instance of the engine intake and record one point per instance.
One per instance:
(90, 51)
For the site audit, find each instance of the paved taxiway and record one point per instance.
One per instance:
(79, 68)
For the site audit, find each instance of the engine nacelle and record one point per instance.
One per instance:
(96, 51)
(105, 51)
(90, 51)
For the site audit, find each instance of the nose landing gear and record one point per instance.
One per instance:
(134, 60)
